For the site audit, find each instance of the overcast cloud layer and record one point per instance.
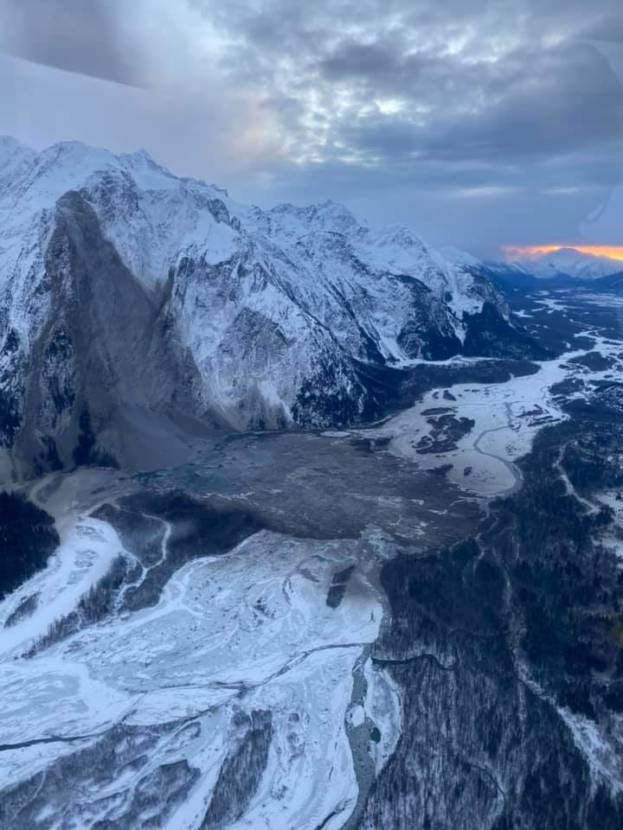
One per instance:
(478, 124)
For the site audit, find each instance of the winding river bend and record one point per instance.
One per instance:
(513, 469)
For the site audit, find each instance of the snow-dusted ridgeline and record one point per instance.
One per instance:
(128, 293)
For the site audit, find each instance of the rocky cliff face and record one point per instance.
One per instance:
(130, 296)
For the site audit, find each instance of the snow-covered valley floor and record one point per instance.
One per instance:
(239, 645)
(499, 420)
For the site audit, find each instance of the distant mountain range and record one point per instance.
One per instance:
(128, 294)
(569, 262)
(566, 262)
(566, 268)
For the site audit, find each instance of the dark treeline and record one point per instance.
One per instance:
(494, 639)
(27, 538)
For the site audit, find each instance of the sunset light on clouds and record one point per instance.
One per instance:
(519, 252)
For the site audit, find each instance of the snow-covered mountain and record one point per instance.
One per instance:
(460, 258)
(128, 293)
(567, 262)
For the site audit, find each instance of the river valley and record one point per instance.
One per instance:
(278, 630)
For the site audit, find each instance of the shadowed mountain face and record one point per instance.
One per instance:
(131, 300)
(101, 347)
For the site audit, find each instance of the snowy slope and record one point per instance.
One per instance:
(124, 285)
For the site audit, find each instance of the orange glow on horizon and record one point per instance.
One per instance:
(513, 252)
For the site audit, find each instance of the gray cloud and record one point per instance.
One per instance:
(506, 103)
(469, 120)
(503, 79)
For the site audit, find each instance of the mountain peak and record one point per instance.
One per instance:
(141, 156)
(459, 257)
(294, 221)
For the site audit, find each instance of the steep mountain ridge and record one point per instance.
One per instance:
(125, 288)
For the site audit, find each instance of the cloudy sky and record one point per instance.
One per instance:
(478, 124)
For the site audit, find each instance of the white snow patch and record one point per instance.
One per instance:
(254, 619)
